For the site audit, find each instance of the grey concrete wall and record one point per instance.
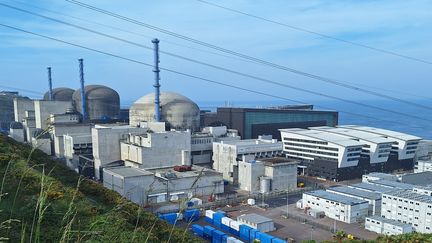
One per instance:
(44, 108)
(20, 108)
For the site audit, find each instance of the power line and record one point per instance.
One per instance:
(244, 56)
(225, 69)
(317, 33)
(189, 75)
(127, 31)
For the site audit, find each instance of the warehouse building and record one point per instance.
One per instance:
(267, 174)
(408, 207)
(253, 122)
(373, 198)
(371, 187)
(163, 184)
(386, 226)
(348, 152)
(336, 206)
(227, 154)
(257, 222)
(420, 179)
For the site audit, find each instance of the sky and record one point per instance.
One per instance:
(394, 25)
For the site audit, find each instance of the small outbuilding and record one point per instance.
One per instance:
(257, 222)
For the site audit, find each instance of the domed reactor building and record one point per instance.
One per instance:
(176, 110)
(102, 102)
(60, 94)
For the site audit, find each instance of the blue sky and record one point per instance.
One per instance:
(395, 25)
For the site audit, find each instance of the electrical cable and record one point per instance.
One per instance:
(189, 75)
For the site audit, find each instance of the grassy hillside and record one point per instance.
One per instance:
(41, 200)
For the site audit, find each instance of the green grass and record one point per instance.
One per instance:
(43, 201)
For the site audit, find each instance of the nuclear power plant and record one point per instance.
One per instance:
(166, 149)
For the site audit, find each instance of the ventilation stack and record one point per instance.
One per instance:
(50, 89)
(83, 96)
(157, 78)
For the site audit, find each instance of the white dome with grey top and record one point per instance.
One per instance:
(178, 111)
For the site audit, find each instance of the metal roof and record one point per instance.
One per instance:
(355, 134)
(324, 136)
(335, 197)
(384, 132)
(393, 184)
(371, 187)
(254, 218)
(408, 194)
(388, 221)
(355, 192)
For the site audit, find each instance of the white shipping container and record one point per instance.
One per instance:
(235, 225)
(226, 221)
(251, 201)
(196, 201)
(209, 213)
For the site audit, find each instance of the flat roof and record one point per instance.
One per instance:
(371, 187)
(277, 160)
(363, 135)
(254, 218)
(250, 142)
(384, 132)
(388, 221)
(335, 197)
(393, 184)
(356, 192)
(409, 194)
(126, 171)
(324, 136)
(170, 173)
(422, 178)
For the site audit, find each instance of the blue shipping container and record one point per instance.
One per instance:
(217, 236)
(192, 215)
(198, 229)
(263, 237)
(190, 204)
(277, 240)
(234, 232)
(208, 231)
(225, 228)
(252, 234)
(217, 219)
(244, 232)
(169, 217)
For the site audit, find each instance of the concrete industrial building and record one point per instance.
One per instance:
(408, 207)
(163, 184)
(336, 206)
(156, 149)
(202, 143)
(386, 226)
(227, 154)
(7, 114)
(177, 111)
(348, 152)
(253, 122)
(267, 174)
(74, 146)
(106, 143)
(424, 157)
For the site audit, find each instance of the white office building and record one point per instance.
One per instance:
(386, 226)
(408, 207)
(227, 154)
(373, 198)
(346, 152)
(336, 206)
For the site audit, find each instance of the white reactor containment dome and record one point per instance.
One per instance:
(178, 111)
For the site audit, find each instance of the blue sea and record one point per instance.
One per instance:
(414, 120)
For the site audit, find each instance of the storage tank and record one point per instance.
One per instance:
(265, 184)
(60, 94)
(102, 102)
(178, 111)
